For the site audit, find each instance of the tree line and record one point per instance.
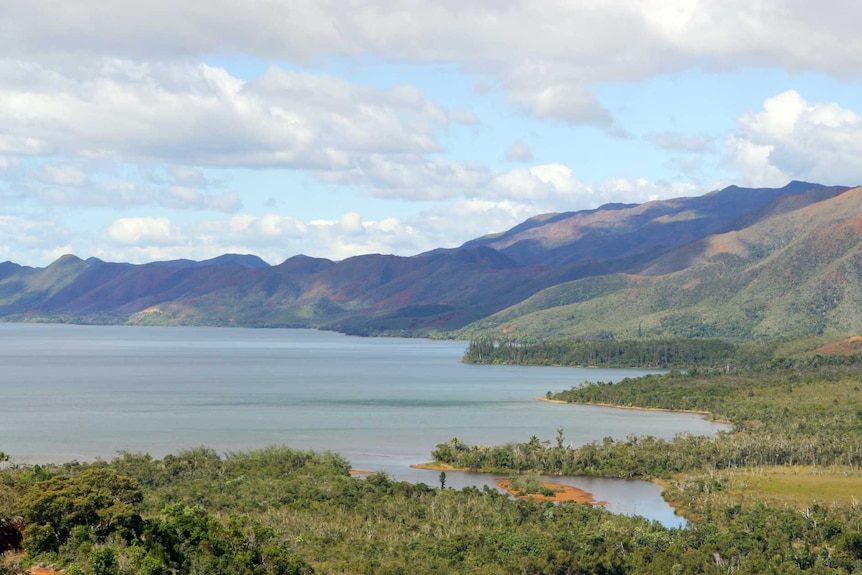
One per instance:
(704, 355)
(670, 353)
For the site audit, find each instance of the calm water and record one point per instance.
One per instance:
(87, 392)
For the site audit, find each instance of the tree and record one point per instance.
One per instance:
(97, 499)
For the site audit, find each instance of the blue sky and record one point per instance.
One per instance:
(137, 131)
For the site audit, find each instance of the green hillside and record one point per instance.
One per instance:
(796, 272)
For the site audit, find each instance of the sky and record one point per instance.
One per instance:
(138, 131)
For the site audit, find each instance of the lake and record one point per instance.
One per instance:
(86, 392)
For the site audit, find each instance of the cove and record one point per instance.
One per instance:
(86, 392)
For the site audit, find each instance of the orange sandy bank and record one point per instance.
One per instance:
(360, 472)
(561, 493)
(438, 467)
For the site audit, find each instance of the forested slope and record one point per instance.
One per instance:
(796, 271)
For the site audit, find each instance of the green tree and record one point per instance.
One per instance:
(98, 499)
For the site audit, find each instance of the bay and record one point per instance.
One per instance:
(72, 392)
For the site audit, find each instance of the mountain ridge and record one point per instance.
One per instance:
(571, 274)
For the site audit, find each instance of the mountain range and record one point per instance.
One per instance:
(738, 262)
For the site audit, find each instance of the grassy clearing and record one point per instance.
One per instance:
(785, 487)
(796, 486)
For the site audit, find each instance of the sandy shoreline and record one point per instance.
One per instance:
(706, 415)
(433, 466)
(561, 492)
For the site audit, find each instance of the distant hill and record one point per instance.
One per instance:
(737, 263)
(794, 267)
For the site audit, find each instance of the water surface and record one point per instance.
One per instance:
(86, 392)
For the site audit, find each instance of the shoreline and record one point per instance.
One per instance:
(432, 466)
(707, 416)
(561, 493)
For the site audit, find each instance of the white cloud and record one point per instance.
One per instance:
(22, 145)
(736, 33)
(543, 184)
(61, 175)
(751, 160)
(71, 187)
(795, 139)
(450, 225)
(253, 230)
(546, 55)
(31, 234)
(413, 177)
(194, 114)
(509, 199)
(89, 84)
(144, 232)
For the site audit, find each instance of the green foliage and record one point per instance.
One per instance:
(529, 484)
(673, 353)
(692, 355)
(103, 561)
(333, 523)
(794, 416)
(98, 499)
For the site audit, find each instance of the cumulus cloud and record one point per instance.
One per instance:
(546, 55)
(251, 230)
(84, 84)
(144, 231)
(792, 138)
(543, 184)
(194, 114)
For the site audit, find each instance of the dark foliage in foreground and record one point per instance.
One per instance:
(282, 511)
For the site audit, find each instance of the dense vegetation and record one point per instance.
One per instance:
(805, 417)
(282, 511)
(670, 353)
(775, 495)
(689, 354)
(797, 423)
